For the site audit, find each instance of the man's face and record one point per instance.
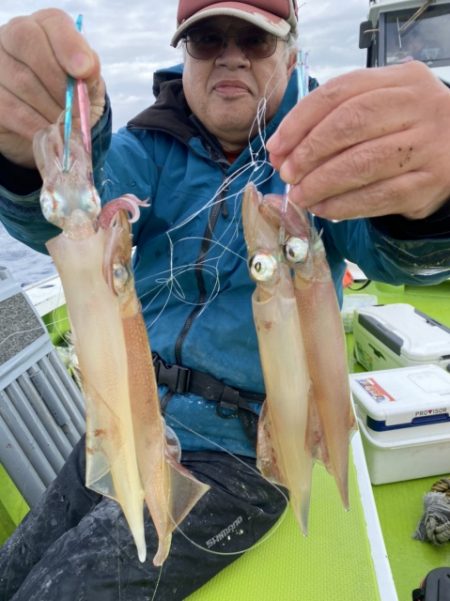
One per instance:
(224, 92)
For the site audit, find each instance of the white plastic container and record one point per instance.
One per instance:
(404, 418)
(398, 335)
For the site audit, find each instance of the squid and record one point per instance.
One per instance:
(331, 418)
(282, 455)
(131, 456)
(170, 490)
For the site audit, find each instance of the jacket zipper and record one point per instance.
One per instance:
(204, 248)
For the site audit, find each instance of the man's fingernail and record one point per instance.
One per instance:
(273, 143)
(286, 173)
(81, 63)
(296, 195)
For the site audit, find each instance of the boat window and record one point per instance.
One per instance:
(424, 36)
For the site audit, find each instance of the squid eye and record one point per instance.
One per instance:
(263, 267)
(120, 277)
(296, 250)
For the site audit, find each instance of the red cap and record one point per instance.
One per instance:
(275, 16)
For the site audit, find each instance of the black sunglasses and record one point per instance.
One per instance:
(205, 43)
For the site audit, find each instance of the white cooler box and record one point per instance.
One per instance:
(404, 418)
(398, 335)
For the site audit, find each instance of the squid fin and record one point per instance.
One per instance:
(268, 465)
(184, 491)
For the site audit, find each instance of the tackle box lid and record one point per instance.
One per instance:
(402, 397)
(406, 331)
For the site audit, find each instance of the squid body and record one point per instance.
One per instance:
(282, 454)
(304, 365)
(131, 456)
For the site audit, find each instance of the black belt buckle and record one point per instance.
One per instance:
(228, 404)
(175, 377)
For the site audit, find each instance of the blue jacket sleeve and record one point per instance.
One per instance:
(414, 260)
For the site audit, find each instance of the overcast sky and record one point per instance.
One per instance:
(132, 39)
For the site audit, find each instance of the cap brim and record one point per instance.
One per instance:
(260, 18)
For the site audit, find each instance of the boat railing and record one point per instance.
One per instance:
(41, 408)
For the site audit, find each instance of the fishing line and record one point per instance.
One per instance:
(20, 332)
(264, 539)
(177, 290)
(216, 242)
(302, 70)
(176, 271)
(266, 536)
(157, 583)
(29, 330)
(253, 168)
(211, 203)
(173, 284)
(215, 289)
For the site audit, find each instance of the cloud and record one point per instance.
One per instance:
(330, 32)
(133, 39)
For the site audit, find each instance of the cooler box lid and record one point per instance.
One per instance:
(407, 331)
(402, 398)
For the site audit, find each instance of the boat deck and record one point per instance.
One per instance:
(333, 562)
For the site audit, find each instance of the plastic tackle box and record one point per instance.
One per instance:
(404, 418)
(398, 335)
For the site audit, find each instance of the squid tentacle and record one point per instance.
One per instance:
(127, 202)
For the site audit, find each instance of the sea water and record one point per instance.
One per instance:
(24, 264)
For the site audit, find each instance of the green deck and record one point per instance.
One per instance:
(332, 563)
(13, 508)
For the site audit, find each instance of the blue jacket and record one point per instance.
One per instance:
(190, 261)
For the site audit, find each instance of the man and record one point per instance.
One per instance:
(368, 149)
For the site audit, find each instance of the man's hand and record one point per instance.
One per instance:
(369, 143)
(36, 54)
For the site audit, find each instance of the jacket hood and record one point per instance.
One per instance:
(164, 75)
(170, 113)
